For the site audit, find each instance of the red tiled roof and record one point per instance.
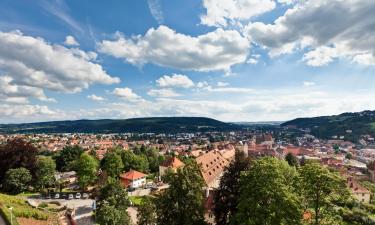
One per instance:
(132, 175)
(172, 162)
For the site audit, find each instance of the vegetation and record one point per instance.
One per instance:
(291, 159)
(327, 126)
(16, 180)
(45, 172)
(66, 157)
(227, 195)
(112, 204)
(181, 203)
(112, 164)
(87, 169)
(147, 212)
(268, 194)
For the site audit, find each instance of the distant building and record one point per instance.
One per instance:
(172, 164)
(359, 192)
(133, 179)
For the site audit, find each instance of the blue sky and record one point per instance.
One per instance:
(233, 60)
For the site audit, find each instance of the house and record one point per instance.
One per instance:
(358, 191)
(133, 179)
(172, 164)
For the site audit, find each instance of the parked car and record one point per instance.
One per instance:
(85, 195)
(131, 189)
(48, 196)
(70, 196)
(57, 196)
(63, 195)
(78, 195)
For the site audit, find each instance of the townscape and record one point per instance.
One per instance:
(72, 169)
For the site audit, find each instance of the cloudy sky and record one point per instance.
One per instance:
(233, 60)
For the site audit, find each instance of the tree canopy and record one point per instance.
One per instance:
(66, 157)
(16, 180)
(86, 167)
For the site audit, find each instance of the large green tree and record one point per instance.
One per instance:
(45, 172)
(112, 204)
(319, 188)
(112, 164)
(147, 212)
(135, 162)
(86, 167)
(227, 195)
(16, 180)
(66, 157)
(291, 159)
(182, 202)
(267, 194)
(17, 153)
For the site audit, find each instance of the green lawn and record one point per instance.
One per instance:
(20, 208)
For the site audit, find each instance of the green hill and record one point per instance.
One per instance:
(136, 125)
(359, 123)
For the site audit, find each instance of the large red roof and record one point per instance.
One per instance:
(132, 175)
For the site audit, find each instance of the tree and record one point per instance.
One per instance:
(16, 180)
(267, 194)
(86, 168)
(227, 195)
(319, 186)
(45, 172)
(291, 159)
(17, 153)
(112, 204)
(147, 213)
(133, 161)
(182, 203)
(112, 164)
(64, 161)
(349, 156)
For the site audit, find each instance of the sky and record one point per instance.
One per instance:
(232, 60)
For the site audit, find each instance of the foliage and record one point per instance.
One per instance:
(136, 125)
(135, 162)
(291, 159)
(66, 157)
(16, 180)
(86, 168)
(227, 195)
(147, 212)
(17, 153)
(112, 164)
(181, 204)
(268, 194)
(112, 204)
(45, 172)
(319, 188)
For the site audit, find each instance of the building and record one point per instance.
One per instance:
(358, 191)
(172, 164)
(133, 179)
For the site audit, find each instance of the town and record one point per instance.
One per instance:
(139, 162)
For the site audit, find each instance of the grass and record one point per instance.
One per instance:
(136, 200)
(20, 208)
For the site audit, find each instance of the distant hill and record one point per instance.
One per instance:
(350, 125)
(136, 125)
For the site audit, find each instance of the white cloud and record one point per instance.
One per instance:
(127, 94)
(328, 30)
(222, 84)
(163, 93)
(175, 80)
(33, 62)
(27, 113)
(70, 41)
(156, 10)
(222, 12)
(95, 98)
(216, 50)
(308, 83)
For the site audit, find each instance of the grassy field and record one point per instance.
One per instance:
(21, 209)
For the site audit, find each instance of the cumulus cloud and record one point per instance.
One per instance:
(27, 113)
(328, 30)
(308, 83)
(224, 12)
(33, 62)
(95, 98)
(163, 93)
(216, 50)
(70, 41)
(175, 80)
(127, 94)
